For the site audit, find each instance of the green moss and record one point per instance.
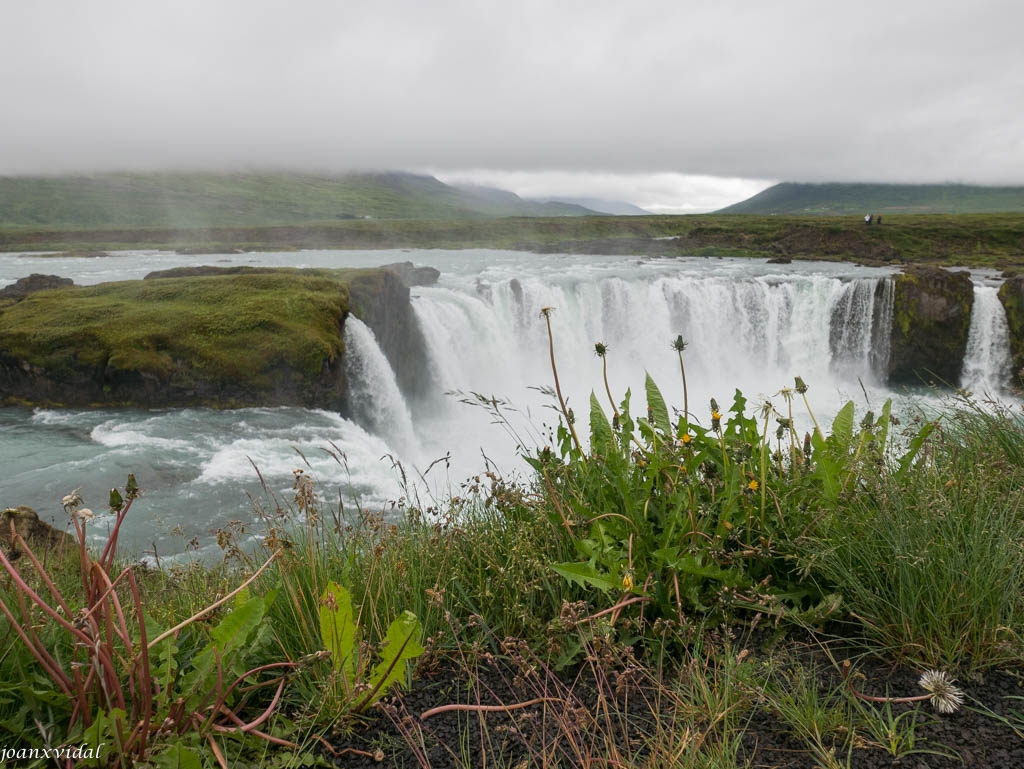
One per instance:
(931, 322)
(224, 328)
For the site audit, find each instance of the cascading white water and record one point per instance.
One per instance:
(881, 334)
(861, 318)
(753, 333)
(986, 368)
(374, 397)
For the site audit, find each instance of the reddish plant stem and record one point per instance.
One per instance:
(486, 708)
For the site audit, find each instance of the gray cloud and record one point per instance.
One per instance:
(900, 90)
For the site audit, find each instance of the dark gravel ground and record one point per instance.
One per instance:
(562, 731)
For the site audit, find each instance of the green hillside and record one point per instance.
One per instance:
(846, 199)
(199, 200)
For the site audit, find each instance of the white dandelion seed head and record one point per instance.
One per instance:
(945, 697)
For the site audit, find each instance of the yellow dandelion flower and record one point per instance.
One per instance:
(715, 415)
(753, 485)
(627, 581)
(686, 439)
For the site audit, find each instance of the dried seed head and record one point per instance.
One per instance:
(600, 349)
(945, 697)
(72, 500)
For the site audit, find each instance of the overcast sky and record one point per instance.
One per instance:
(668, 105)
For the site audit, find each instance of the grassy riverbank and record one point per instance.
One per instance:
(686, 591)
(995, 240)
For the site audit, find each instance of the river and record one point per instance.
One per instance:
(748, 324)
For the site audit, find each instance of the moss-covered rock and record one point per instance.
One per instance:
(34, 282)
(40, 536)
(221, 338)
(931, 321)
(1011, 294)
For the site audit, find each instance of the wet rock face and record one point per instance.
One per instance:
(381, 300)
(34, 282)
(931, 322)
(1011, 294)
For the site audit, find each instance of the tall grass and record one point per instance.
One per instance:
(930, 561)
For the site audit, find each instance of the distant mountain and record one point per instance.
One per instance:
(197, 200)
(824, 199)
(530, 206)
(600, 205)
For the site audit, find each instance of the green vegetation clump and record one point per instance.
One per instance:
(247, 330)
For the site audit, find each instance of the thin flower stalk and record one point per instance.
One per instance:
(801, 387)
(941, 693)
(767, 410)
(601, 350)
(679, 345)
(546, 314)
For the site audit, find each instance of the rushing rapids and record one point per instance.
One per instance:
(748, 325)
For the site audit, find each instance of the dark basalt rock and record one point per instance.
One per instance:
(382, 301)
(34, 282)
(931, 321)
(1011, 294)
(411, 275)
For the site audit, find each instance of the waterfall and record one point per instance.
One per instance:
(751, 333)
(986, 368)
(374, 397)
(881, 334)
(860, 328)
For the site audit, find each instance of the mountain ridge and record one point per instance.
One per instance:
(207, 199)
(840, 198)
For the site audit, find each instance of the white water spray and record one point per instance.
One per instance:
(374, 396)
(986, 369)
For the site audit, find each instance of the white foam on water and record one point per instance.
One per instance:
(116, 434)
